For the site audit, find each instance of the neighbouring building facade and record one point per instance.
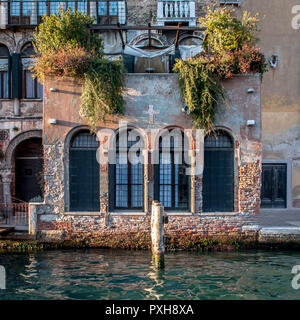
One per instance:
(49, 156)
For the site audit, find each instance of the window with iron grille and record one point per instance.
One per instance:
(128, 175)
(171, 177)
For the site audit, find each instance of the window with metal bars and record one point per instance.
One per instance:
(128, 175)
(171, 180)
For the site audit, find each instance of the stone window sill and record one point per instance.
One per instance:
(82, 213)
(175, 213)
(127, 213)
(218, 213)
(32, 99)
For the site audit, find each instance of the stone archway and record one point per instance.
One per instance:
(8, 167)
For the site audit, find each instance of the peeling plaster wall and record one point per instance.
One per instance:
(161, 91)
(280, 88)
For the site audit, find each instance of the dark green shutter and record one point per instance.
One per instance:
(16, 74)
(9, 75)
(156, 181)
(128, 63)
(111, 187)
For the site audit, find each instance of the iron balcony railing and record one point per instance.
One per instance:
(30, 12)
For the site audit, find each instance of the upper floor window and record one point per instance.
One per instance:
(4, 72)
(81, 6)
(30, 12)
(107, 12)
(32, 89)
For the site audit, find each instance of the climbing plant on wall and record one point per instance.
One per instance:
(66, 49)
(229, 49)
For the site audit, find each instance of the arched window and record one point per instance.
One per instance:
(84, 174)
(171, 182)
(32, 89)
(4, 72)
(218, 175)
(127, 174)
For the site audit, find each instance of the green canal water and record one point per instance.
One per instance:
(121, 274)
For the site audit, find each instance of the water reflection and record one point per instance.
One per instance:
(158, 277)
(121, 274)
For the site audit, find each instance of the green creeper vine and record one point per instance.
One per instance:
(229, 49)
(66, 49)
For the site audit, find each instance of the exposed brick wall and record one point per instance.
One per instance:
(134, 231)
(249, 187)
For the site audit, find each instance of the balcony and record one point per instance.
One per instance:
(30, 12)
(176, 11)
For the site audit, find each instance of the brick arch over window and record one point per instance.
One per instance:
(25, 135)
(23, 42)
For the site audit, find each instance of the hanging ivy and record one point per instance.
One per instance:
(201, 90)
(229, 49)
(65, 49)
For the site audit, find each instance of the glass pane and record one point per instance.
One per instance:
(71, 5)
(29, 85)
(102, 8)
(54, 7)
(165, 196)
(121, 196)
(113, 8)
(82, 6)
(137, 196)
(15, 8)
(27, 8)
(42, 7)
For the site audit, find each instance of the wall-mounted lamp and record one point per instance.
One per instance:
(250, 90)
(185, 109)
(250, 123)
(273, 60)
(53, 90)
(52, 121)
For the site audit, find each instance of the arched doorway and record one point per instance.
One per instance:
(29, 170)
(84, 174)
(218, 175)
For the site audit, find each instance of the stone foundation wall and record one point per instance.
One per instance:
(134, 231)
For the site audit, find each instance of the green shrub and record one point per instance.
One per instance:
(228, 49)
(66, 49)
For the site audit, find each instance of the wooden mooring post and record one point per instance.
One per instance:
(157, 234)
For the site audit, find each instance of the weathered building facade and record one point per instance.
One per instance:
(121, 211)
